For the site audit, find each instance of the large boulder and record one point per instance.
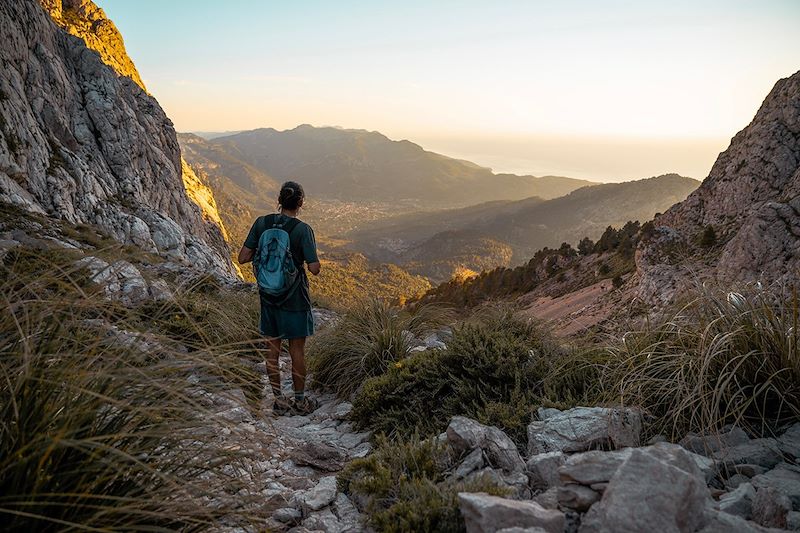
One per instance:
(585, 428)
(484, 513)
(598, 467)
(465, 435)
(652, 491)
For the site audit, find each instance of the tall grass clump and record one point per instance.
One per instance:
(722, 358)
(105, 427)
(405, 487)
(497, 368)
(366, 341)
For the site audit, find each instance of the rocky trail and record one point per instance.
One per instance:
(296, 477)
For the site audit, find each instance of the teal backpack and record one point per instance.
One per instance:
(273, 264)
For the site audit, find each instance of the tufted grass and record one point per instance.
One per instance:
(366, 341)
(721, 358)
(106, 424)
(404, 487)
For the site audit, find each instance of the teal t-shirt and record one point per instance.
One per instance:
(304, 251)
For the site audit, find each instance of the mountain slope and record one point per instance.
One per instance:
(361, 165)
(84, 142)
(750, 202)
(523, 227)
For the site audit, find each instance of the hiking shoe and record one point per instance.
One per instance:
(306, 406)
(281, 406)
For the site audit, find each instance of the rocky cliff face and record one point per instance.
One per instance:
(83, 19)
(81, 139)
(751, 199)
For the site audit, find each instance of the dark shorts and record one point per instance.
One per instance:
(277, 323)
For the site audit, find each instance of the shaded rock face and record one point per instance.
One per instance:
(752, 200)
(81, 141)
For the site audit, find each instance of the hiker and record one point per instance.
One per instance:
(279, 245)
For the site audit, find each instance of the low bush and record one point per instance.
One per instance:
(723, 358)
(496, 369)
(405, 487)
(366, 341)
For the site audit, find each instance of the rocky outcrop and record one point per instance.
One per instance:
(83, 141)
(751, 199)
(83, 19)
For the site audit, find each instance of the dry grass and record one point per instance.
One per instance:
(722, 358)
(366, 341)
(106, 426)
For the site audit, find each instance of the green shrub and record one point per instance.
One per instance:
(366, 341)
(723, 358)
(497, 369)
(406, 487)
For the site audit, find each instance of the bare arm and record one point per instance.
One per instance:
(314, 268)
(246, 255)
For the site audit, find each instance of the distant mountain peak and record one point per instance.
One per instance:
(362, 165)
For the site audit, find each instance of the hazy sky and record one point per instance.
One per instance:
(609, 90)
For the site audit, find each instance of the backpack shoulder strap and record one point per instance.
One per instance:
(289, 226)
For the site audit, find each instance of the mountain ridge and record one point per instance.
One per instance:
(353, 164)
(516, 230)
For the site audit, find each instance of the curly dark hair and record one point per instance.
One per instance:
(291, 195)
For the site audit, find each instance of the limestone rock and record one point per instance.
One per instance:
(287, 515)
(761, 452)
(464, 435)
(472, 462)
(771, 508)
(707, 444)
(793, 521)
(81, 140)
(584, 428)
(590, 468)
(577, 497)
(739, 502)
(785, 479)
(523, 530)
(789, 442)
(543, 469)
(488, 514)
(751, 198)
(321, 495)
(120, 280)
(651, 492)
(719, 522)
(321, 456)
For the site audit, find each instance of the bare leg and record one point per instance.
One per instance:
(297, 349)
(273, 365)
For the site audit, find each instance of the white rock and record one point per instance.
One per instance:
(321, 495)
(652, 492)
(488, 514)
(543, 469)
(464, 435)
(583, 428)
